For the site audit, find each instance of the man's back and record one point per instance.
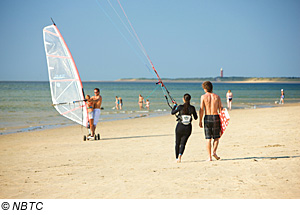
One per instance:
(211, 103)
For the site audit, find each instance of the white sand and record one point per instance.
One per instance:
(260, 158)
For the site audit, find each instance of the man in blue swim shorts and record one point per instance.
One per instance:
(98, 102)
(211, 106)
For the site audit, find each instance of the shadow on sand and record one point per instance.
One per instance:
(134, 137)
(260, 158)
(250, 158)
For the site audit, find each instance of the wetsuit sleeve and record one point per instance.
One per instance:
(175, 109)
(195, 113)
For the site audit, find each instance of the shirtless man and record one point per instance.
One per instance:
(98, 102)
(211, 105)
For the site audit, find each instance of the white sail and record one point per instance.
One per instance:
(65, 83)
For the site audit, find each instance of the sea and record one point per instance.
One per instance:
(27, 106)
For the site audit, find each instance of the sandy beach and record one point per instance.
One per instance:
(260, 159)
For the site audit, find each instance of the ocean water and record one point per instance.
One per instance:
(26, 106)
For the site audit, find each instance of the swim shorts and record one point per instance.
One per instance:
(212, 126)
(96, 115)
(91, 115)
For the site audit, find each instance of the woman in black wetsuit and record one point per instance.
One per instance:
(184, 127)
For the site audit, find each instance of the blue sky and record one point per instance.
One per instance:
(184, 39)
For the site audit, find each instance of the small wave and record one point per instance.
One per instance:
(143, 111)
(160, 110)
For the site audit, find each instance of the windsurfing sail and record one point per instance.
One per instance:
(65, 83)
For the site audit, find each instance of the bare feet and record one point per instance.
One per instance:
(216, 157)
(209, 159)
(178, 160)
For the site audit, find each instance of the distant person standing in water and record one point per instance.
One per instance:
(229, 97)
(282, 97)
(120, 103)
(141, 101)
(97, 98)
(211, 106)
(184, 127)
(117, 103)
(147, 104)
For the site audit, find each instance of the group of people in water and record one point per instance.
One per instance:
(141, 103)
(119, 103)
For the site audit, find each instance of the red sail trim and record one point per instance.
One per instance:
(72, 110)
(52, 33)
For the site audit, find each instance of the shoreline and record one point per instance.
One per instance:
(24, 129)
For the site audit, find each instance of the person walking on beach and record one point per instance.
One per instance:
(229, 97)
(117, 103)
(90, 108)
(184, 127)
(97, 98)
(141, 101)
(282, 97)
(211, 106)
